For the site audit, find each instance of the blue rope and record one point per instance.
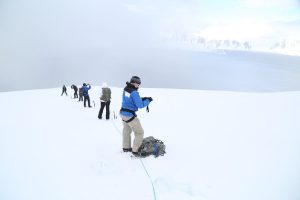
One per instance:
(153, 189)
(142, 163)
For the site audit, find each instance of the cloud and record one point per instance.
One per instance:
(270, 3)
(134, 8)
(241, 31)
(56, 37)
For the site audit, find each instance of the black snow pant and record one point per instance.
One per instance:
(87, 98)
(106, 105)
(75, 94)
(80, 98)
(64, 91)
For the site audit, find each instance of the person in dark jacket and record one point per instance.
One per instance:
(74, 87)
(105, 100)
(85, 92)
(64, 90)
(80, 94)
(131, 102)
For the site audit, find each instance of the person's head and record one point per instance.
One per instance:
(135, 81)
(84, 84)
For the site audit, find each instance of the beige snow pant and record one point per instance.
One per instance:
(138, 130)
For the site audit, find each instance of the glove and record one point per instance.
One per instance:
(149, 98)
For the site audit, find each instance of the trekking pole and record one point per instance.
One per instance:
(115, 116)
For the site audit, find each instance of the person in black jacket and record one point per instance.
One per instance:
(64, 90)
(80, 94)
(74, 87)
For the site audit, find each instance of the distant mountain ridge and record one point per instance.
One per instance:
(282, 46)
(285, 46)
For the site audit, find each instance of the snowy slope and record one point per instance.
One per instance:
(220, 146)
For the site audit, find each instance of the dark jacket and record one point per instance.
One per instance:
(74, 87)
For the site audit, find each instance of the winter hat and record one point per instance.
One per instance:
(84, 84)
(104, 85)
(135, 79)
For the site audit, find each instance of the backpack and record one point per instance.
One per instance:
(152, 146)
(81, 91)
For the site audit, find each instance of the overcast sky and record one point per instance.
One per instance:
(50, 40)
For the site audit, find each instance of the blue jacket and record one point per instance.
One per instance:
(85, 90)
(131, 100)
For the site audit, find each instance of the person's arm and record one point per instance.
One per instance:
(138, 100)
(109, 92)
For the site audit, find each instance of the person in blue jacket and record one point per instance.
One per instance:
(131, 102)
(86, 97)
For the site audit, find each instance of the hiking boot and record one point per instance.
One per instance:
(136, 154)
(127, 149)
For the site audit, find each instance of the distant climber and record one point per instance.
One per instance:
(80, 94)
(86, 88)
(105, 101)
(64, 90)
(74, 87)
